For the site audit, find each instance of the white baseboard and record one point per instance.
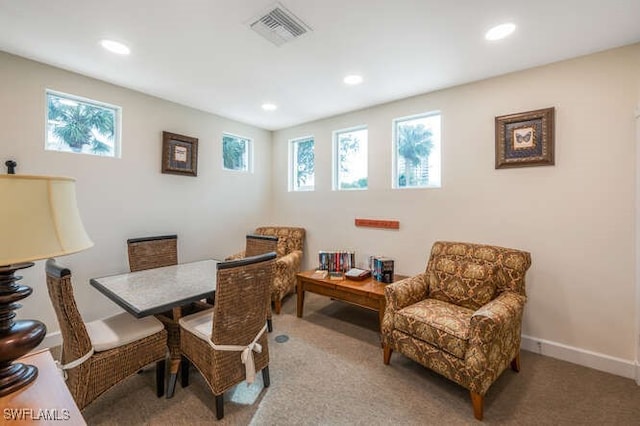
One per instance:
(618, 366)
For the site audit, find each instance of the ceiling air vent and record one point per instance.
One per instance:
(279, 25)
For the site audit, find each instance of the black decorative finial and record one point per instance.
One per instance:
(11, 167)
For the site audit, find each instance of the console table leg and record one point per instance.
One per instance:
(300, 304)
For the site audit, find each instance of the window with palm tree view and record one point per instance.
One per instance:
(417, 151)
(302, 164)
(236, 153)
(80, 125)
(350, 159)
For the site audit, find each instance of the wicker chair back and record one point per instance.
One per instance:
(152, 252)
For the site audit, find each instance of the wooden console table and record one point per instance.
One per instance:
(367, 293)
(46, 401)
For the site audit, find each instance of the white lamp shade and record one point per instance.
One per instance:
(39, 218)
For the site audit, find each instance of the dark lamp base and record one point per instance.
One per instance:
(17, 338)
(15, 377)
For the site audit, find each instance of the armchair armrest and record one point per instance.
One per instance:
(491, 320)
(406, 292)
(284, 277)
(400, 295)
(289, 264)
(236, 256)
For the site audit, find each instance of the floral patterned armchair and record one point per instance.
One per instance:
(290, 246)
(461, 317)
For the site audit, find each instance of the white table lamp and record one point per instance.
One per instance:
(39, 219)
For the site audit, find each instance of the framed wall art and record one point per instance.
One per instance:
(525, 139)
(179, 154)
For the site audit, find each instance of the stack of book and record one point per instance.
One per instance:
(336, 261)
(382, 269)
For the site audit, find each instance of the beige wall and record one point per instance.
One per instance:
(576, 218)
(129, 197)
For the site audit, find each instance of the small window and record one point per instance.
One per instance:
(302, 164)
(80, 125)
(350, 159)
(236, 153)
(417, 151)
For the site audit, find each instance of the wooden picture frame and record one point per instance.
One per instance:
(525, 139)
(179, 154)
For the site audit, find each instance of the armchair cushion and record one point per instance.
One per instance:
(438, 323)
(463, 283)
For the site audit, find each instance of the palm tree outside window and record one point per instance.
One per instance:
(81, 125)
(417, 151)
(236, 153)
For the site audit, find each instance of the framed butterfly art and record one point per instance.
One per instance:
(525, 139)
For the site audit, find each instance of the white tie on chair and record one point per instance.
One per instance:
(201, 325)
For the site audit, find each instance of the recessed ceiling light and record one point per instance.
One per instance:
(269, 106)
(500, 31)
(353, 79)
(115, 47)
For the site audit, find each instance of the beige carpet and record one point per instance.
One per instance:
(330, 372)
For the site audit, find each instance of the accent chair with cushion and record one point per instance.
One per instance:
(462, 317)
(98, 355)
(289, 251)
(228, 344)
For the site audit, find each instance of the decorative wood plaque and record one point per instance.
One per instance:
(378, 223)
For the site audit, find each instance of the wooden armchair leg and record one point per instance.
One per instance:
(277, 305)
(387, 351)
(477, 401)
(515, 363)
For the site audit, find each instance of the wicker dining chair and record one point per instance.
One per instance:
(156, 252)
(152, 252)
(228, 343)
(98, 355)
(260, 244)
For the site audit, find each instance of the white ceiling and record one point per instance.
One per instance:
(202, 53)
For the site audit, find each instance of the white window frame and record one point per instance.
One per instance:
(394, 151)
(293, 143)
(249, 152)
(336, 158)
(117, 124)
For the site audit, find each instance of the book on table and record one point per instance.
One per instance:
(357, 274)
(336, 276)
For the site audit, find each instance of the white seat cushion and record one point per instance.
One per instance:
(200, 324)
(121, 329)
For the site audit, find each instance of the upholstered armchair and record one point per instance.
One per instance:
(289, 252)
(461, 317)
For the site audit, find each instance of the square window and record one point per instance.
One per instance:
(416, 148)
(236, 153)
(302, 164)
(350, 159)
(83, 126)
